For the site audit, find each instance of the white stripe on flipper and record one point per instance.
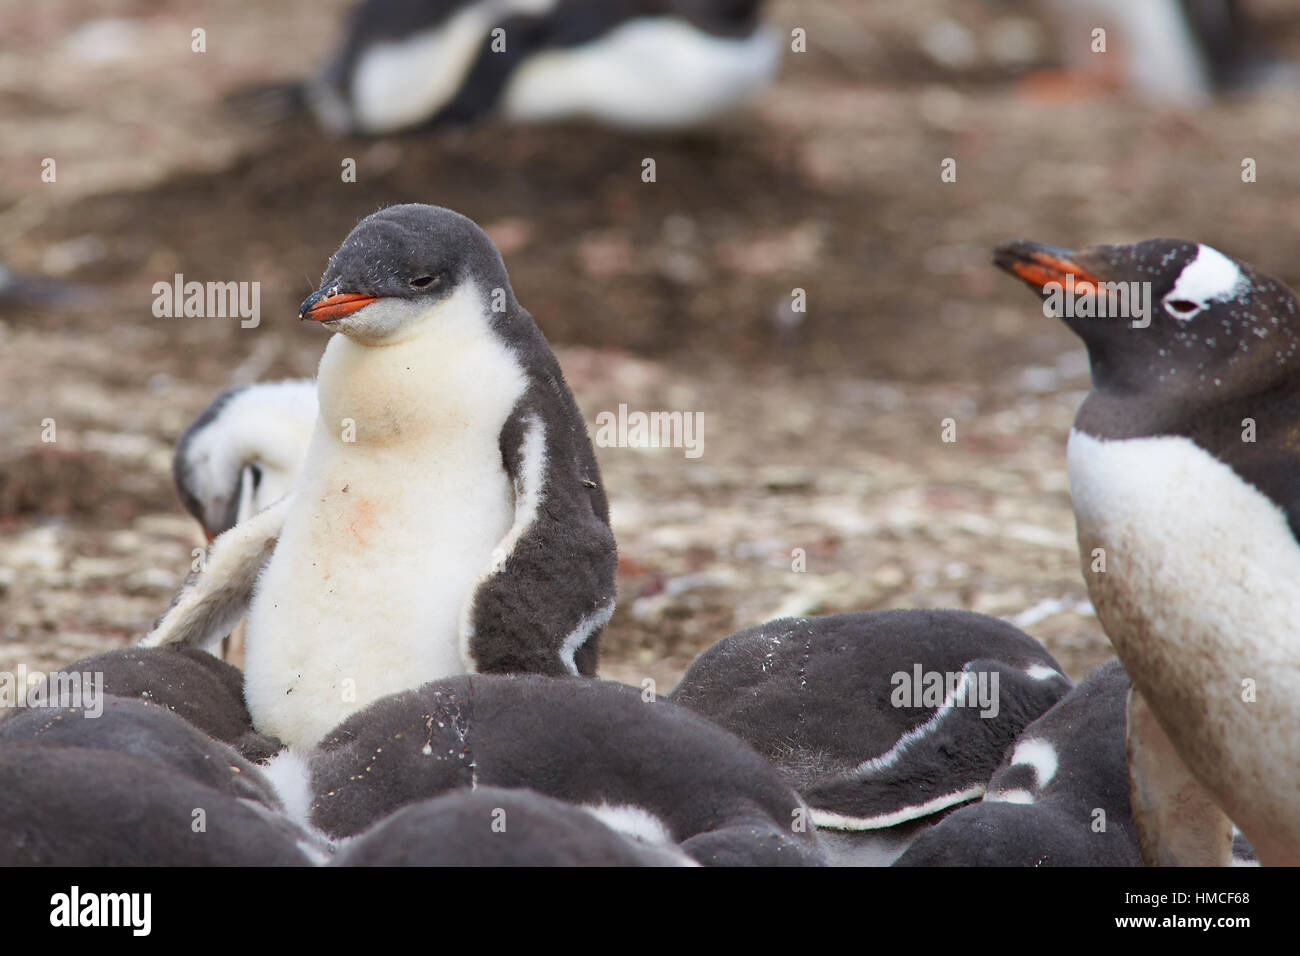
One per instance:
(895, 753)
(829, 820)
(527, 486)
(1009, 796)
(580, 634)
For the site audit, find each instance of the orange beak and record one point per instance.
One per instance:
(1038, 265)
(332, 307)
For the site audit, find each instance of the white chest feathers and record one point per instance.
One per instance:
(402, 499)
(649, 73)
(1201, 597)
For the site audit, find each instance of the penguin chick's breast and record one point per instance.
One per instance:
(403, 498)
(1200, 592)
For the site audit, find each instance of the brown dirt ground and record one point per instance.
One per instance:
(822, 435)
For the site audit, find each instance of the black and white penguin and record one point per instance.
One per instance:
(1183, 462)
(72, 806)
(149, 732)
(645, 64)
(882, 720)
(1171, 51)
(449, 517)
(244, 451)
(647, 768)
(1059, 798)
(492, 826)
(206, 692)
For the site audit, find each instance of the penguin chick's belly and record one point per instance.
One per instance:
(1201, 598)
(363, 595)
(649, 73)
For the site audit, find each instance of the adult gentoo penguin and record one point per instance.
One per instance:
(631, 63)
(882, 720)
(449, 517)
(1182, 464)
(244, 451)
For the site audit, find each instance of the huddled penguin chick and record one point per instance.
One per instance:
(492, 826)
(1059, 798)
(70, 806)
(206, 692)
(149, 732)
(645, 767)
(244, 451)
(646, 64)
(882, 720)
(449, 517)
(1182, 465)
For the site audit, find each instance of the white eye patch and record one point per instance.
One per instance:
(1210, 277)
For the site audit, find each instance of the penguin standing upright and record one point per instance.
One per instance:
(1184, 465)
(645, 64)
(449, 517)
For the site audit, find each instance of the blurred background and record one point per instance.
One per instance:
(821, 429)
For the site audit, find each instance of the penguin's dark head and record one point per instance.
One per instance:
(1165, 311)
(398, 266)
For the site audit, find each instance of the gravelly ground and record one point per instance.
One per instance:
(822, 435)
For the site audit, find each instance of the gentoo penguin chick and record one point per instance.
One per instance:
(1182, 465)
(449, 517)
(1059, 798)
(69, 806)
(646, 64)
(645, 767)
(244, 451)
(240, 455)
(882, 720)
(149, 732)
(491, 826)
(206, 692)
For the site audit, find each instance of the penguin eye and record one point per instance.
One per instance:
(1182, 309)
(424, 282)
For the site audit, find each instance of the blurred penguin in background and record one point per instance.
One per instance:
(1175, 52)
(635, 64)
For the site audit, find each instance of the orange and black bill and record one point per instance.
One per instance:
(320, 307)
(1038, 265)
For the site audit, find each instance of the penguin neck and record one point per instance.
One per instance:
(444, 373)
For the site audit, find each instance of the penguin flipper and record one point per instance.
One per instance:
(549, 591)
(943, 762)
(216, 596)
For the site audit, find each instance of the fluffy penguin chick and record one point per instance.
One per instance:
(244, 451)
(1183, 463)
(1059, 797)
(449, 517)
(835, 703)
